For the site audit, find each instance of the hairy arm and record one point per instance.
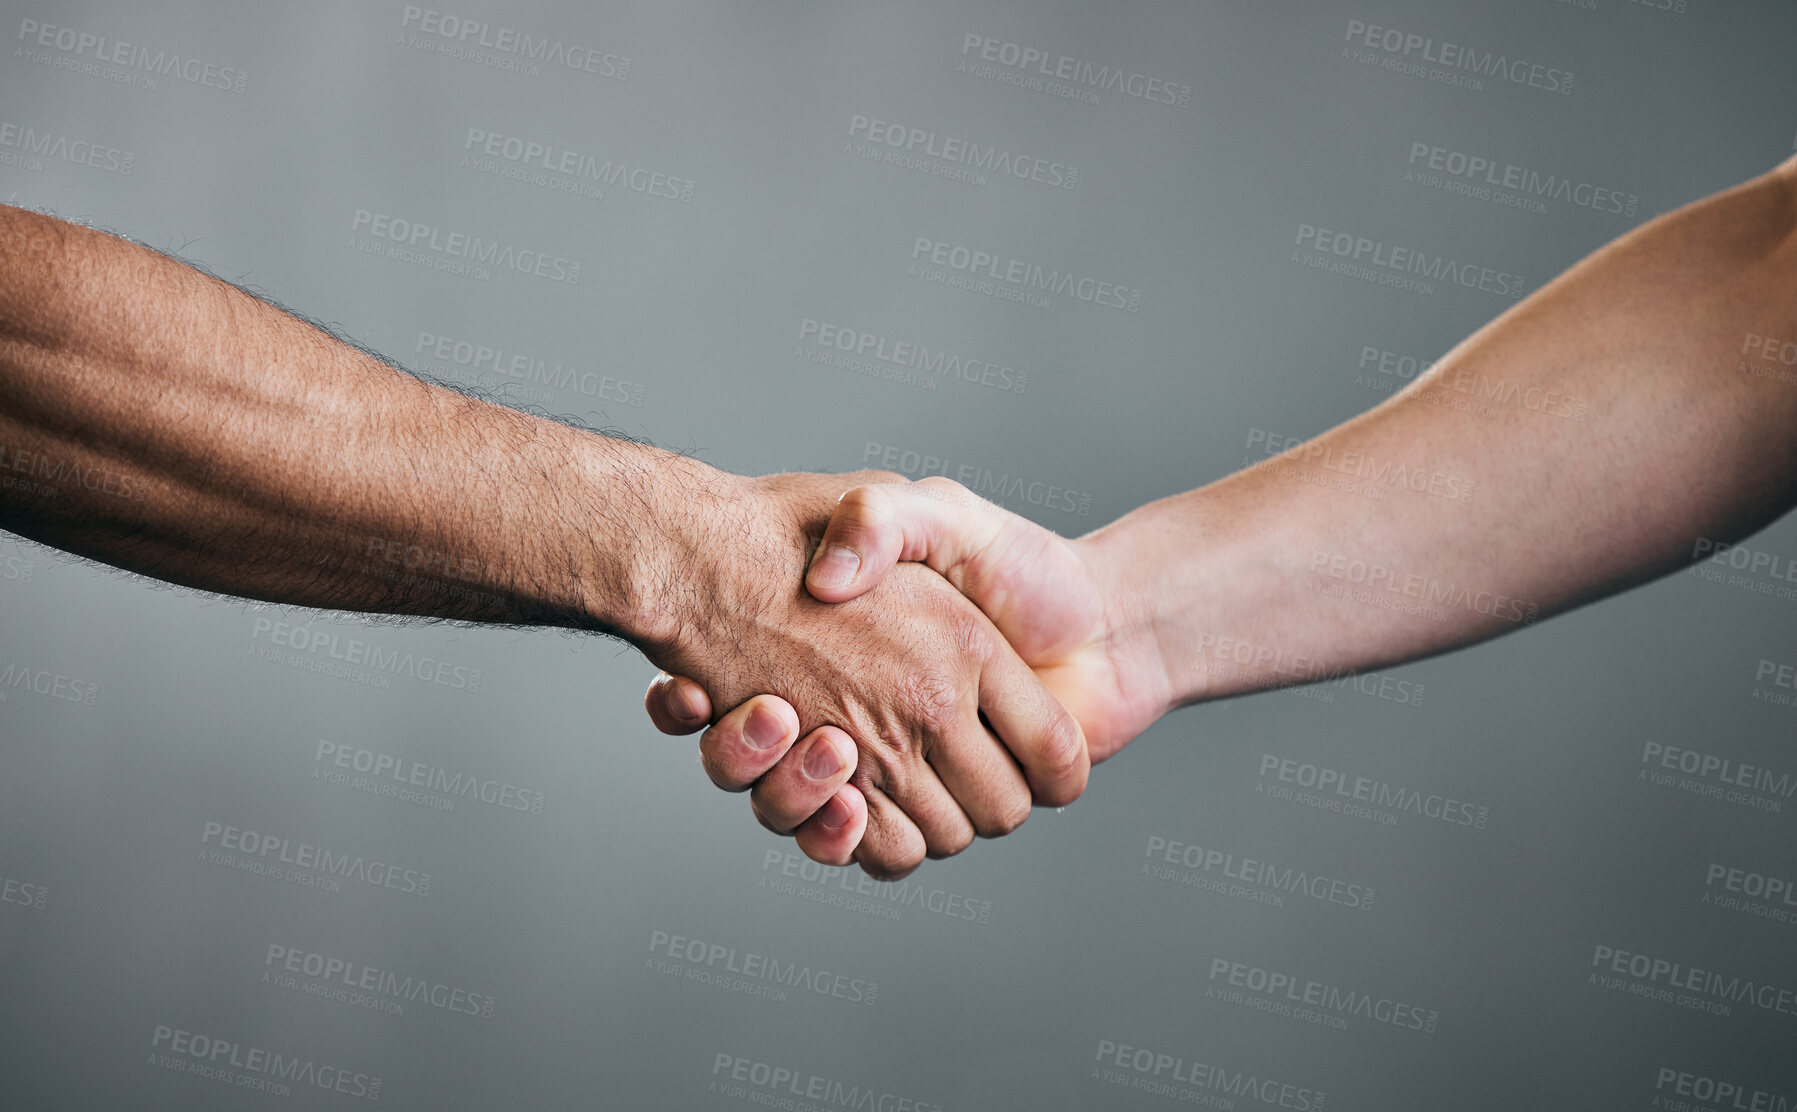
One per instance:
(164, 422)
(159, 420)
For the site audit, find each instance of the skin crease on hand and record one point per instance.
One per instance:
(913, 659)
(269, 459)
(1036, 585)
(1650, 450)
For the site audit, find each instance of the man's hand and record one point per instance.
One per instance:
(913, 673)
(187, 430)
(1047, 595)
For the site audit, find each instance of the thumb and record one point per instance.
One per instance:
(935, 521)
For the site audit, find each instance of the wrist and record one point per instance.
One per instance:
(730, 557)
(1181, 578)
(653, 522)
(1132, 596)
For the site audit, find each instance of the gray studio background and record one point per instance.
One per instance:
(641, 942)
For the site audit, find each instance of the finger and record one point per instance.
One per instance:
(748, 741)
(919, 792)
(1046, 740)
(676, 704)
(934, 520)
(831, 835)
(984, 780)
(891, 846)
(804, 780)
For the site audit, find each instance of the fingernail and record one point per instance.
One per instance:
(763, 730)
(835, 567)
(690, 708)
(823, 761)
(833, 814)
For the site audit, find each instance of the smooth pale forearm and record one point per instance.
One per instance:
(1581, 443)
(159, 420)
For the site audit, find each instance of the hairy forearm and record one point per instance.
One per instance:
(164, 422)
(1581, 443)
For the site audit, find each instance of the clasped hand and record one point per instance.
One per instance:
(944, 665)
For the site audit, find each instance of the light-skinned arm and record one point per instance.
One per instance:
(162, 421)
(1618, 424)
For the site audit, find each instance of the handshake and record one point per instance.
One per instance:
(936, 665)
(900, 666)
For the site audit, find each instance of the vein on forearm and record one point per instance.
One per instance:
(184, 428)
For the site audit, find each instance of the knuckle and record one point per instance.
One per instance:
(769, 817)
(714, 756)
(941, 488)
(863, 507)
(889, 864)
(953, 844)
(1010, 814)
(722, 776)
(874, 767)
(971, 632)
(1061, 751)
(823, 854)
(928, 701)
